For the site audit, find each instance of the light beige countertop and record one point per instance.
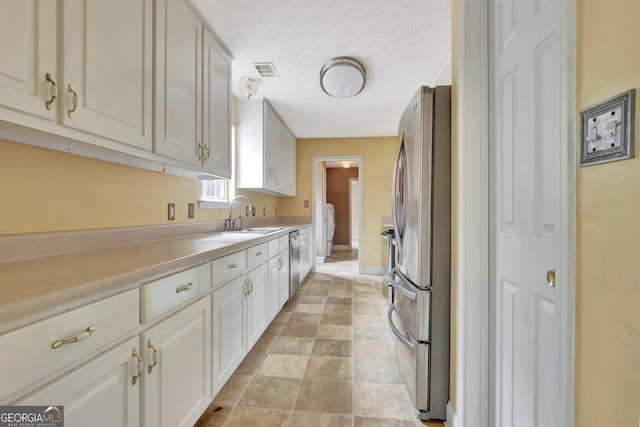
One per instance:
(37, 288)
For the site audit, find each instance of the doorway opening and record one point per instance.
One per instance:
(337, 211)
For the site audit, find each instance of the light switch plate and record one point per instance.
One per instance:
(171, 211)
(607, 130)
(191, 210)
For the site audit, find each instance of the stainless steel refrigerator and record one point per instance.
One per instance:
(421, 206)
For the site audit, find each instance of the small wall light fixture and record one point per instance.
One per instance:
(346, 165)
(248, 86)
(343, 77)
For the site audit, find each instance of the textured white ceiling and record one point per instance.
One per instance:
(402, 43)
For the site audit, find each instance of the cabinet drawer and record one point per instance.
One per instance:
(28, 354)
(162, 295)
(274, 247)
(228, 267)
(257, 254)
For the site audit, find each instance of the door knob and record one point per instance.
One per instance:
(551, 278)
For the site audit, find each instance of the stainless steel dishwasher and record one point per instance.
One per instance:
(294, 262)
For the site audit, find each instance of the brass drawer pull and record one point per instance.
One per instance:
(154, 356)
(52, 91)
(139, 366)
(80, 337)
(232, 266)
(182, 288)
(74, 100)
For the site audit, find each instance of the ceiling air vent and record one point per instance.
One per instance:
(266, 69)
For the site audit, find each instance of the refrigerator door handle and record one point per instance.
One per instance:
(393, 274)
(395, 209)
(410, 341)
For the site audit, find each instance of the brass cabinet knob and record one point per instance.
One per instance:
(551, 278)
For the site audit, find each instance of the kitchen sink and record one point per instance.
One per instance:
(259, 230)
(253, 230)
(244, 234)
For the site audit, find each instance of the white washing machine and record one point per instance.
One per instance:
(331, 227)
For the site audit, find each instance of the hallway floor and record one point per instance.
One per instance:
(326, 360)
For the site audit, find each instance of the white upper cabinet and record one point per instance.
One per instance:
(106, 69)
(266, 150)
(27, 56)
(178, 81)
(146, 80)
(216, 107)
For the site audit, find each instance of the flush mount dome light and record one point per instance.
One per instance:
(343, 77)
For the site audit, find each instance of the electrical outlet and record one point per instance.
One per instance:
(253, 211)
(306, 203)
(246, 211)
(264, 211)
(191, 210)
(276, 211)
(171, 212)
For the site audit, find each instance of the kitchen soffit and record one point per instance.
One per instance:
(402, 43)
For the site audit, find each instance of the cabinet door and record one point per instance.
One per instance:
(256, 301)
(178, 103)
(278, 154)
(228, 331)
(107, 60)
(28, 52)
(284, 278)
(270, 125)
(216, 107)
(289, 164)
(177, 354)
(274, 287)
(100, 393)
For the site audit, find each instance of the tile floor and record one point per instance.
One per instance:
(326, 360)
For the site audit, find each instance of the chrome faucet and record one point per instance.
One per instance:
(229, 222)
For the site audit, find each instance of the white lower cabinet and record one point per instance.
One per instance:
(101, 393)
(177, 360)
(154, 356)
(228, 325)
(256, 304)
(283, 283)
(278, 283)
(239, 318)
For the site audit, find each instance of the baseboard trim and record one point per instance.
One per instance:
(452, 417)
(341, 247)
(375, 271)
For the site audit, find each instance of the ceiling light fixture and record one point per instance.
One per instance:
(343, 77)
(248, 86)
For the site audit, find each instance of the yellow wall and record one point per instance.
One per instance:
(607, 361)
(43, 190)
(377, 164)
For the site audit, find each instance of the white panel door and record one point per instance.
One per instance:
(107, 62)
(525, 116)
(27, 54)
(100, 393)
(178, 88)
(177, 380)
